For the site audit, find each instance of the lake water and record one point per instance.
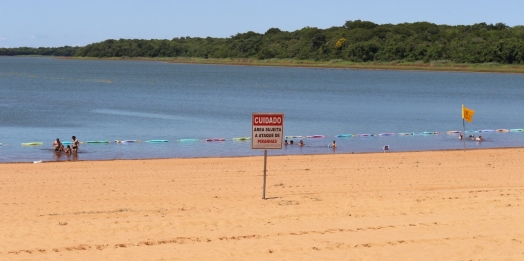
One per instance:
(42, 99)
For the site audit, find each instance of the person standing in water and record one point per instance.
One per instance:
(58, 145)
(75, 144)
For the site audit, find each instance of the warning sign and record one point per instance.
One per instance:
(267, 131)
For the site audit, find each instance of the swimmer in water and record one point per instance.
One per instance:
(76, 144)
(58, 145)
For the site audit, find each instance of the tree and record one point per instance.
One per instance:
(359, 24)
(340, 43)
(317, 41)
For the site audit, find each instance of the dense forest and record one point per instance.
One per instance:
(55, 51)
(356, 41)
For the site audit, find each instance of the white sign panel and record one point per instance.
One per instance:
(267, 130)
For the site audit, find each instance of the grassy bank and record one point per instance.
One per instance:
(340, 64)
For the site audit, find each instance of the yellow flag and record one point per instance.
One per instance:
(467, 114)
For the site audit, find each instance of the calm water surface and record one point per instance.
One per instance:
(42, 99)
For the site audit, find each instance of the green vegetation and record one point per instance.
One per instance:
(54, 51)
(355, 41)
(356, 44)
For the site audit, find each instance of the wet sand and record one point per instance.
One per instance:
(439, 205)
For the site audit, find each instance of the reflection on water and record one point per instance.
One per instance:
(62, 156)
(140, 114)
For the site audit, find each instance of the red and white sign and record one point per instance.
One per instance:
(267, 131)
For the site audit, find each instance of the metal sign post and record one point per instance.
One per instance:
(265, 164)
(267, 131)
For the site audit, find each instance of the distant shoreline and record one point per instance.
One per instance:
(439, 66)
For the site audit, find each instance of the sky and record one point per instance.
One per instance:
(55, 23)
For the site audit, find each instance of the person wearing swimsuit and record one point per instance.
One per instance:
(75, 144)
(58, 145)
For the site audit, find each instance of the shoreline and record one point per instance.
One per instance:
(374, 206)
(434, 66)
(251, 156)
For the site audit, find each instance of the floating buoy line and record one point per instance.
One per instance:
(316, 136)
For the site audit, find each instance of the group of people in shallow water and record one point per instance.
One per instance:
(59, 147)
(334, 145)
(471, 137)
(291, 142)
(301, 143)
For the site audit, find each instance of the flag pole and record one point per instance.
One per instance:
(464, 135)
(467, 114)
(463, 128)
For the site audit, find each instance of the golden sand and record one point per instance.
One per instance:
(442, 205)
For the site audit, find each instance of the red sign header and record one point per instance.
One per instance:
(267, 120)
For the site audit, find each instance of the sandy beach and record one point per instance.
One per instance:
(437, 205)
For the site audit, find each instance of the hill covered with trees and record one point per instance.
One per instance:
(357, 41)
